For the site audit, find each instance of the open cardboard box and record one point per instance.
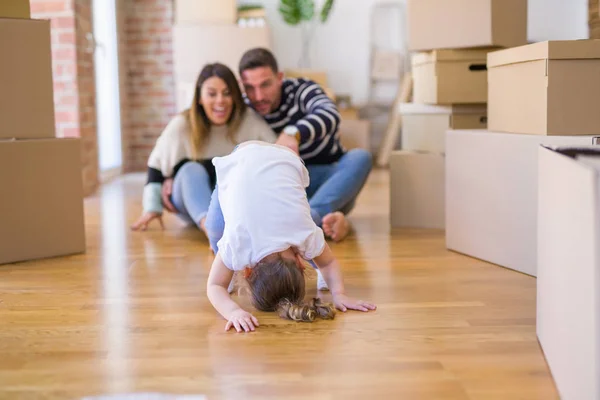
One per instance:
(568, 283)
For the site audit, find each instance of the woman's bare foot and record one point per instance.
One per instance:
(336, 226)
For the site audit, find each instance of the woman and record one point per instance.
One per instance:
(181, 176)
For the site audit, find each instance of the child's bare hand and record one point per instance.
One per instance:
(241, 320)
(344, 303)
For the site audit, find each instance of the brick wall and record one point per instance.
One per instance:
(149, 82)
(87, 94)
(73, 75)
(594, 19)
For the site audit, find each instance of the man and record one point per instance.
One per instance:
(307, 121)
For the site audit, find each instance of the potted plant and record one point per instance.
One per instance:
(303, 13)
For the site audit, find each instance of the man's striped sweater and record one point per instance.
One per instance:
(305, 105)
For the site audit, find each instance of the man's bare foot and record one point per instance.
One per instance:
(336, 226)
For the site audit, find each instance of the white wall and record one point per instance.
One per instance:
(557, 20)
(341, 47)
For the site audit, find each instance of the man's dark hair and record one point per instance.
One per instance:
(258, 57)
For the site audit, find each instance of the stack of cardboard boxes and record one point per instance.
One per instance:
(517, 205)
(41, 207)
(542, 93)
(207, 31)
(450, 40)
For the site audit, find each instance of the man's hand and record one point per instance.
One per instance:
(289, 142)
(242, 321)
(167, 190)
(344, 303)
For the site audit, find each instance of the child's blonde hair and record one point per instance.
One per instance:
(277, 284)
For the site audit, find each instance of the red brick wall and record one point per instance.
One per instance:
(149, 83)
(594, 19)
(147, 87)
(73, 75)
(87, 94)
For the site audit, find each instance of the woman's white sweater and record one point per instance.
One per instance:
(174, 148)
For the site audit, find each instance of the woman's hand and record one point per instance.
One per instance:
(344, 303)
(142, 223)
(167, 190)
(241, 320)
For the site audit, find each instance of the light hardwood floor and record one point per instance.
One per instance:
(131, 315)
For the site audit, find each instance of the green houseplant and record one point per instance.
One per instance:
(303, 13)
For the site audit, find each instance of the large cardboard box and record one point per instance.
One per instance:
(424, 126)
(206, 11)
(41, 209)
(26, 98)
(448, 24)
(546, 88)
(568, 282)
(417, 190)
(191, 52)
(491, 195)
(450, 76)
(14, 9)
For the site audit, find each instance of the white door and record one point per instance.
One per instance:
(107, 86)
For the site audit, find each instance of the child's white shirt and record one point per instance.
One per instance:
(262, 192)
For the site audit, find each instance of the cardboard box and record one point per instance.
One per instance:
(424, 126)
(191, 51)
(317, 76)
(27, 102)
(450, 76)
(349, 113)
(417, 190)
(355, 134)
(568, 282)
(206, 12)
(454, 24)
(491, 195)
(546, 88)
(41, 214)
(14, 9)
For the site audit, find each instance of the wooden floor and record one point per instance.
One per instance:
(132, 315)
